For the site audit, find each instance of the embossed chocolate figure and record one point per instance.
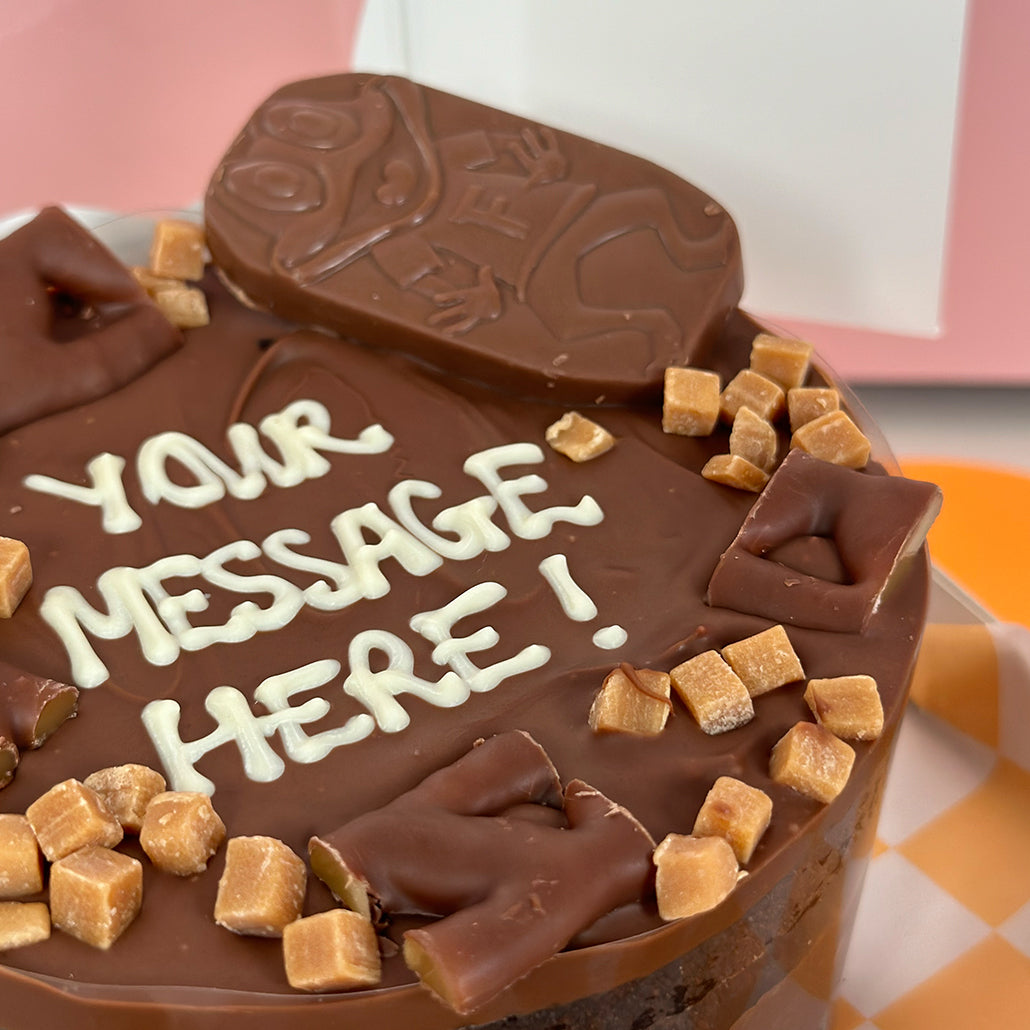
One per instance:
(461, 234)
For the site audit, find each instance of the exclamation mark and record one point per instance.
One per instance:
(576, 602)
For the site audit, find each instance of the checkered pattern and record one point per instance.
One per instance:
(942, 934)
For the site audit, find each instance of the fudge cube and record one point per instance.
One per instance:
(713, 693)
(835, 438)
(578, 438)
(738, 813)
(693, 874)
(332, 951)
(690, 404)
(184, 306)
(764, 661)
(753, 439)
(95, 894)
(177, 250)
(181, 831)
(848, 706)
(126, 790)
(70, 816)
(812, 761)
(783, 360)
(749, 389)
(23, 923)
(733, 470)
(262, 888)
(15, 575)
(632, 701)
(807, 403)
(21, 864)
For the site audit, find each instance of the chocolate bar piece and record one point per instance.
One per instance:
(511, 886)
(485, 244)
(75, 324)
(821, 543)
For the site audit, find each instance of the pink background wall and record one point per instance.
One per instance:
(122, 104)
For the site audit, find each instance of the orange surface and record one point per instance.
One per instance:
(982, 536)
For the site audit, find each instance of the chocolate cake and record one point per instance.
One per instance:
(413, 603)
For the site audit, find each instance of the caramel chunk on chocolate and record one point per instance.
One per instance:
(15, 575)
(737, 812)
(579, 438)
(23, 923)
(812, 760)
(95, 894)
(262, 888)
(511, 887)
(9, 759)
(764, 661)
(181, 831)
(713, 693)
(753, 439)
(781, 359)
(835, 438)
(331, 951)
(126, 791)
(872, 522)
(21, 864)
(733, 470)
(848, 706)
(32, 707)
(693, 874)
(632, 701)
(748, 389)
(177, 250)
(70, 816)
(690, 404)
(184, 306)
(807, 403)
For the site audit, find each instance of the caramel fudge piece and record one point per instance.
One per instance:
(262, 888)
(781, 359)
(738, 813)
(812, 760)
(23, 923)
(332, 951)
(807, 403)
(693, 874)
(848, 706)
(713, 693)
(181, 831)
(733, 470)
(751, 390)
(835, 438)
(177, 250)
(632, 701)
(691, 401)
(578, 438)
(70, 816)
(21, 866)
(754, 439)
(764, 661)
(95, 894)
(184, 306)
(15, 575)
(126, 790)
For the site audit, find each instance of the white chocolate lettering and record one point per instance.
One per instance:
(610, 638)
(106, 492)
(524, 523)
(574, 600)
(470, 521)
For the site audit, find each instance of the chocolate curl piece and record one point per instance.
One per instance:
(31, 708)
(74, 324)
(871, 522)
(512, 885)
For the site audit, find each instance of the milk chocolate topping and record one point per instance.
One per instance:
(302, 571)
